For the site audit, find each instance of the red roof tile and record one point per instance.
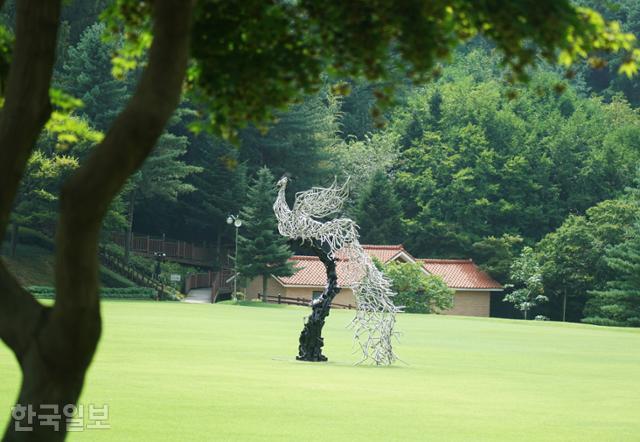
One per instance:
(460, 273)
(457, 273)
(385, 253)
(309, 272)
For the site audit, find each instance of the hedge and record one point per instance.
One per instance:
(29, 236)
(45, 292)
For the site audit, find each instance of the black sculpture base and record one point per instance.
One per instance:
(311, 341)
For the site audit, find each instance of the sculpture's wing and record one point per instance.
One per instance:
(319, 202)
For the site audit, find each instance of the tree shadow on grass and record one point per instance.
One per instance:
(253, 304)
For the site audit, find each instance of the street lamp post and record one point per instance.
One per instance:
(237, 222)
(160, 256)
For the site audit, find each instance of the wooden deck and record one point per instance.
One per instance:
(183, 252)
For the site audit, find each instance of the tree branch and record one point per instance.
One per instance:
(26, 110)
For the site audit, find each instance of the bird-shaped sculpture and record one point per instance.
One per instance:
(375, 318)
(303, 221)
(320, 202)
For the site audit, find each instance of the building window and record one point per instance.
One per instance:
(316, 295)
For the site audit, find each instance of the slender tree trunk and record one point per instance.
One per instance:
(15, 231)
(265, 281)
(128, 242)
(564, 306)
(525, 314)
(218, 265)
(311, 340)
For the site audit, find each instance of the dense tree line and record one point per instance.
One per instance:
(468, 165)
(482, 169)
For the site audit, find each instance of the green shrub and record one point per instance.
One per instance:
(113, 249)
(596, 320)
(44, 292)
(417, 291)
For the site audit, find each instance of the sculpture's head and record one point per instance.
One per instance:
(282, 182)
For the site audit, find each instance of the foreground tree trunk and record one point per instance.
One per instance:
(55, 345)
(311, 340)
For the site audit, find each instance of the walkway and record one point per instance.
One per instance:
(199, 296)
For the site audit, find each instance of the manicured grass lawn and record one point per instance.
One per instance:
(181, 372)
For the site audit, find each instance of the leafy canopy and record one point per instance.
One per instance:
(573, 257)
(37, 197)
(254, 56)
(473, 164)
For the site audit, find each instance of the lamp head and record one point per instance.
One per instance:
(237, 222)
(229, 219)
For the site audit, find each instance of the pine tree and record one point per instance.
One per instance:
(262, 251)
(86, 75)
(619, 303)
(81, 14)
(162, 177)
(379, 213)
(206, 209)
(298, 142)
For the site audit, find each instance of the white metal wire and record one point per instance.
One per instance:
(374, 323)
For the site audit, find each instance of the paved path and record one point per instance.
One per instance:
(199, 296)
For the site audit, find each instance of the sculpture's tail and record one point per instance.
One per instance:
(375, 319)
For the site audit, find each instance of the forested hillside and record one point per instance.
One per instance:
(468, 165)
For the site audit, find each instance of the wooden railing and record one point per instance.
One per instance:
(215, 286)
(119, 266)
(175, 250)
(220, 283)
(300, 301)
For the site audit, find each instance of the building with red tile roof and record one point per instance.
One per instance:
(472, 286)
(460, 274)
(310, 271)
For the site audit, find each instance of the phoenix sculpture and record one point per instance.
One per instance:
(336, 240)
